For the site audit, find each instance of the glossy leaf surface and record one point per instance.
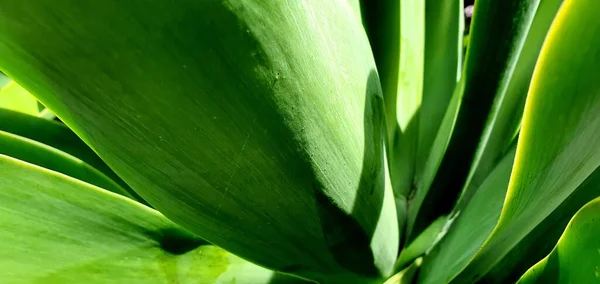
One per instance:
(256, 124)
(58, 136)
(559, 141)
(576, 257)
(68, 231)
(497, 35)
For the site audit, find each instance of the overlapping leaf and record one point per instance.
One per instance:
(576, 257)
(497, 35)
(56, 229)
(560, 137)
(256, 124)
(14, 97)
(504, 120)
(57, 141)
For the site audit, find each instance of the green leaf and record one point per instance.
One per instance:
(397, 34)
(576, 257)
(407, 275)
(505, 119)
(560, 137)
(470, 228)
(476, 221)
(3, 80)
(444, 28)
(55, 136)
(422, 243)
(47, 157)
(56, 229)
(251, 123)
(497, 35)
(14, 97)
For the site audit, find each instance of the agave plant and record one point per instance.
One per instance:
(266, 141)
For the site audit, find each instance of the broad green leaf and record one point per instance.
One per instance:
(498, 31)
(58, 137)
(576, 257)
(560, 136)
(505, 119)
(14, 97)
(397, 33)
(469, 229)
(56, 229)
(356, 7)
(256, 124)
(50, 158)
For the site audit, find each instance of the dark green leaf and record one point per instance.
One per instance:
(559, 141)
(576, 257)
(497, 35)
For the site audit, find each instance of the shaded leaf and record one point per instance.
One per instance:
(58, 136)
(444, 29)
(505, 119)
(576, 257)
(560, 137)
(470, 228)
(498, 31)
(397, 34)
(47, 157)
(68, 231)
(255, 124)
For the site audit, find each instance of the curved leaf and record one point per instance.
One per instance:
(254, 124)
(469, 229)
(498, 31)
(59, 137)
(576, 257)
(56, 229)
(47, 157)
(397, 34)
(476, 221)
(560, 137)
(505, 118)
(444, 28)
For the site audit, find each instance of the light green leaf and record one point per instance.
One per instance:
(14, 97)
(407, 275)
(50, 158)
(505, 119)
(3, 80)
(255, 124)
(56, 229)
(397, 34)
(560, 137)
(55, 138)
(498, 31)
(422, 243)
(576, 257)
